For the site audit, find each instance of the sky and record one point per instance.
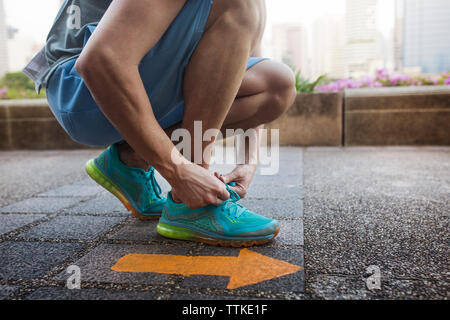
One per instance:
(34, 18)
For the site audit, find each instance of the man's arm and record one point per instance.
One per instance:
(109, 67)
(257, 51)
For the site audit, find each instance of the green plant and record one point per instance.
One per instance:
(17, 80)
(305, 85)
(16, 85)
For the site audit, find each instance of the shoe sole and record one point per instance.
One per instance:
(180, 233)
(106, 183)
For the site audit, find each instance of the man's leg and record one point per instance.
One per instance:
(267, 91)
(217, 67)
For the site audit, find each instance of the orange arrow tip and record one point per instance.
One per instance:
(252, 268)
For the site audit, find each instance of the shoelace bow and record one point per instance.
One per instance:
(150, 175)
(231, 205)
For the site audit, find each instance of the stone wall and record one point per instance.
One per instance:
(379, 117)
(397, 116)
(30, 125)
(313, 120)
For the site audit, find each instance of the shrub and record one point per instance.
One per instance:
(17, 85)
(305, 85)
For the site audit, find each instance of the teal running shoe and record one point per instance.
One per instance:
(137, 189)
(228, 225)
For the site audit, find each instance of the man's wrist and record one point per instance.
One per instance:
(172, 168)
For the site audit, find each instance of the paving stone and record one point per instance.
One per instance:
(72, 227)
(40, 205)
(287, 180)
(335, 287)
(401, 245)
(103, 205)
(277, 209)
(289, 283)
(10, 222)
(74, 191)
(32, 259)
(321, 204)
(285, 168)
(136, 230)
(50, 293)
(86, 182)
(6, 291)
(275, 192)
(96, 265)
(291, 233)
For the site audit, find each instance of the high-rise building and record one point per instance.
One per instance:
(398, 36)
(3, 41)
(328, 40)
(362, 39)
(426, 35)
(290, 45)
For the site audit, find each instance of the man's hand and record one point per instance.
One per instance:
(242, 175)
(196, 187)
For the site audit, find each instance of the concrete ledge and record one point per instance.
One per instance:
(397, 116)
(361, 117)
(315, 119)
(30, 125)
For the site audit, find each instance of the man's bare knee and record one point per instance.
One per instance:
(280, 82)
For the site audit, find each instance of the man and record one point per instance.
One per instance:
(127, 73)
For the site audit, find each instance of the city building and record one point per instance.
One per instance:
(328, 40)
(363, 42)
(4, 66)
(290, 45)
(426, 35)
(398, 36)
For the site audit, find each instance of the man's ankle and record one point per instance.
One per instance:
(175, 198)
(130, 158)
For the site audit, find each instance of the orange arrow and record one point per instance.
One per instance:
(246, 269)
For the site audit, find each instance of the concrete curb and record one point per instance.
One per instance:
(358, 117)
(398, 116)
(30, 125)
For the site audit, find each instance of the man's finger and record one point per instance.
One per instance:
(219, 176)
(230, 177)
(224, 195)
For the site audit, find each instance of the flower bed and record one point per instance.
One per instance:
(384, 78)
(17, 86)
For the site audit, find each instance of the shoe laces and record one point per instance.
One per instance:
(231, 207)
(150, 177)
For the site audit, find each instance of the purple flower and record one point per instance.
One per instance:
(3, 93)
(382, 74)
(399, 79)
(447, 81)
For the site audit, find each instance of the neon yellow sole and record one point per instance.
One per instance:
(180, 233)
(106, 183)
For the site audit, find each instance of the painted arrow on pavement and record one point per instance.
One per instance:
(246, 269)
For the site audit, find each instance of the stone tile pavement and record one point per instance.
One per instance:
(81, 224)
(341, 211)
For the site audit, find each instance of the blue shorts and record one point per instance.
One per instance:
(162, 72)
